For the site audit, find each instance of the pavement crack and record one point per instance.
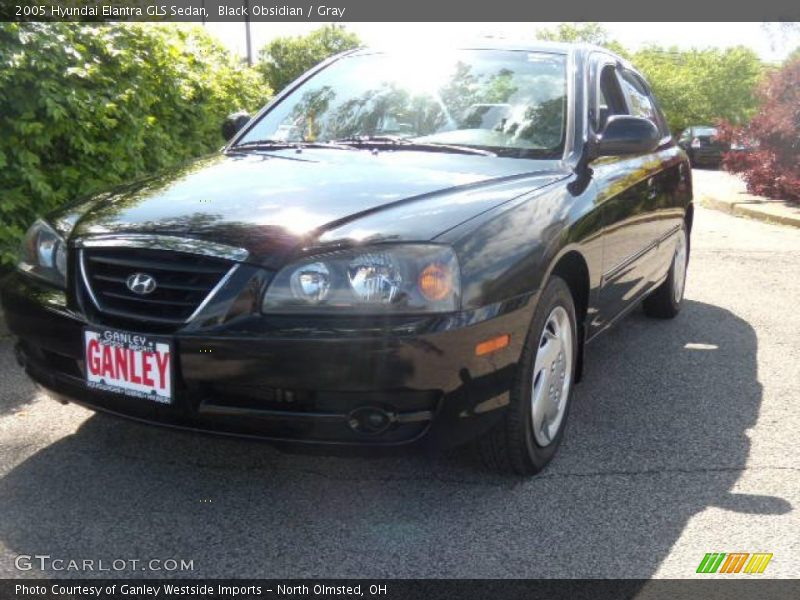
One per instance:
(491, 481)
(684, 471)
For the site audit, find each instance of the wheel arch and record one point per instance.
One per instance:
(689, 217)
(572, 267)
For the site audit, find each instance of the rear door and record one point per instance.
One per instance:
(635, 193)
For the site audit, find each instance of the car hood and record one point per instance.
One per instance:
(272, 202)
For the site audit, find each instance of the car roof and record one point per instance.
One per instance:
(489, 43)
(493, 43)
(496, 43)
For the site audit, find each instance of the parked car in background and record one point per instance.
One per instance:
(384, 256)
(701, 144)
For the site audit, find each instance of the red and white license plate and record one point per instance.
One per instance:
(129, 363)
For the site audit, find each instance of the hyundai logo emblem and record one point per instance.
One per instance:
(141, 283)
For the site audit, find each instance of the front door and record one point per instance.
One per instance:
(635, 198)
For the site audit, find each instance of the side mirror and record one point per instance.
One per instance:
(626, 135)
(233, 123)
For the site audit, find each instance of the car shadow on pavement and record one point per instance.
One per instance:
(658, 433)
(16, 390)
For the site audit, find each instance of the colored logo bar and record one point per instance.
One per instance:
(734, 562)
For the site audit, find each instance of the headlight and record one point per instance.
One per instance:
(418, 278)
(44, 255)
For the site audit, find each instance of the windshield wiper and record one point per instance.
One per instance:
(286, 145)
(401, 143)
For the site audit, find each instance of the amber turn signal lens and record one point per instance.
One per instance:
(492, 345)
(436, 282)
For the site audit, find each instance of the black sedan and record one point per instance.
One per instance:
(702, 146)
(398, 250)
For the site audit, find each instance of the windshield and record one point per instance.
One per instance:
(512, 103)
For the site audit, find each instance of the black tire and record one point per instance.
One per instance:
(663, 303)
(511, 447)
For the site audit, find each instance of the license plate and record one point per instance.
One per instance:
(126, 363)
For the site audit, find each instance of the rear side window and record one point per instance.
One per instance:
(638, 98)
(641, 101)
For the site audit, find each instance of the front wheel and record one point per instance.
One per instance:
(666, 301)
(531, 430)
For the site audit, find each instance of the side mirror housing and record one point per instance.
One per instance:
(625, 135)
(233, 123)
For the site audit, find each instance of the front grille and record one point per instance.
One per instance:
(183, 282)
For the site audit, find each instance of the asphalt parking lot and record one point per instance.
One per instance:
(683, 440)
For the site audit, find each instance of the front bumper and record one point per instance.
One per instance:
(310, 381)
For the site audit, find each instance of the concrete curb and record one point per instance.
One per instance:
(727, 193)
(760, 212)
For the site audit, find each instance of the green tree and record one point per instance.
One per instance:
(692, 86)
(84, 106)
(284, 59)
(588, 32)
(697, 87)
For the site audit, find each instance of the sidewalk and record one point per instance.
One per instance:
(726, 192)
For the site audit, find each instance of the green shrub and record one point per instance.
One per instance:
(84, 106)
(772, 167)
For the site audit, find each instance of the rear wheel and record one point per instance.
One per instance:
(666, 301)
(532, 428)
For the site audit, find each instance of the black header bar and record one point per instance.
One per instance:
(399, 11)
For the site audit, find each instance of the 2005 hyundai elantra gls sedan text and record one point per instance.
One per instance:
(397, 250)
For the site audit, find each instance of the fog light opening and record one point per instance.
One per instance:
(370, 420)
